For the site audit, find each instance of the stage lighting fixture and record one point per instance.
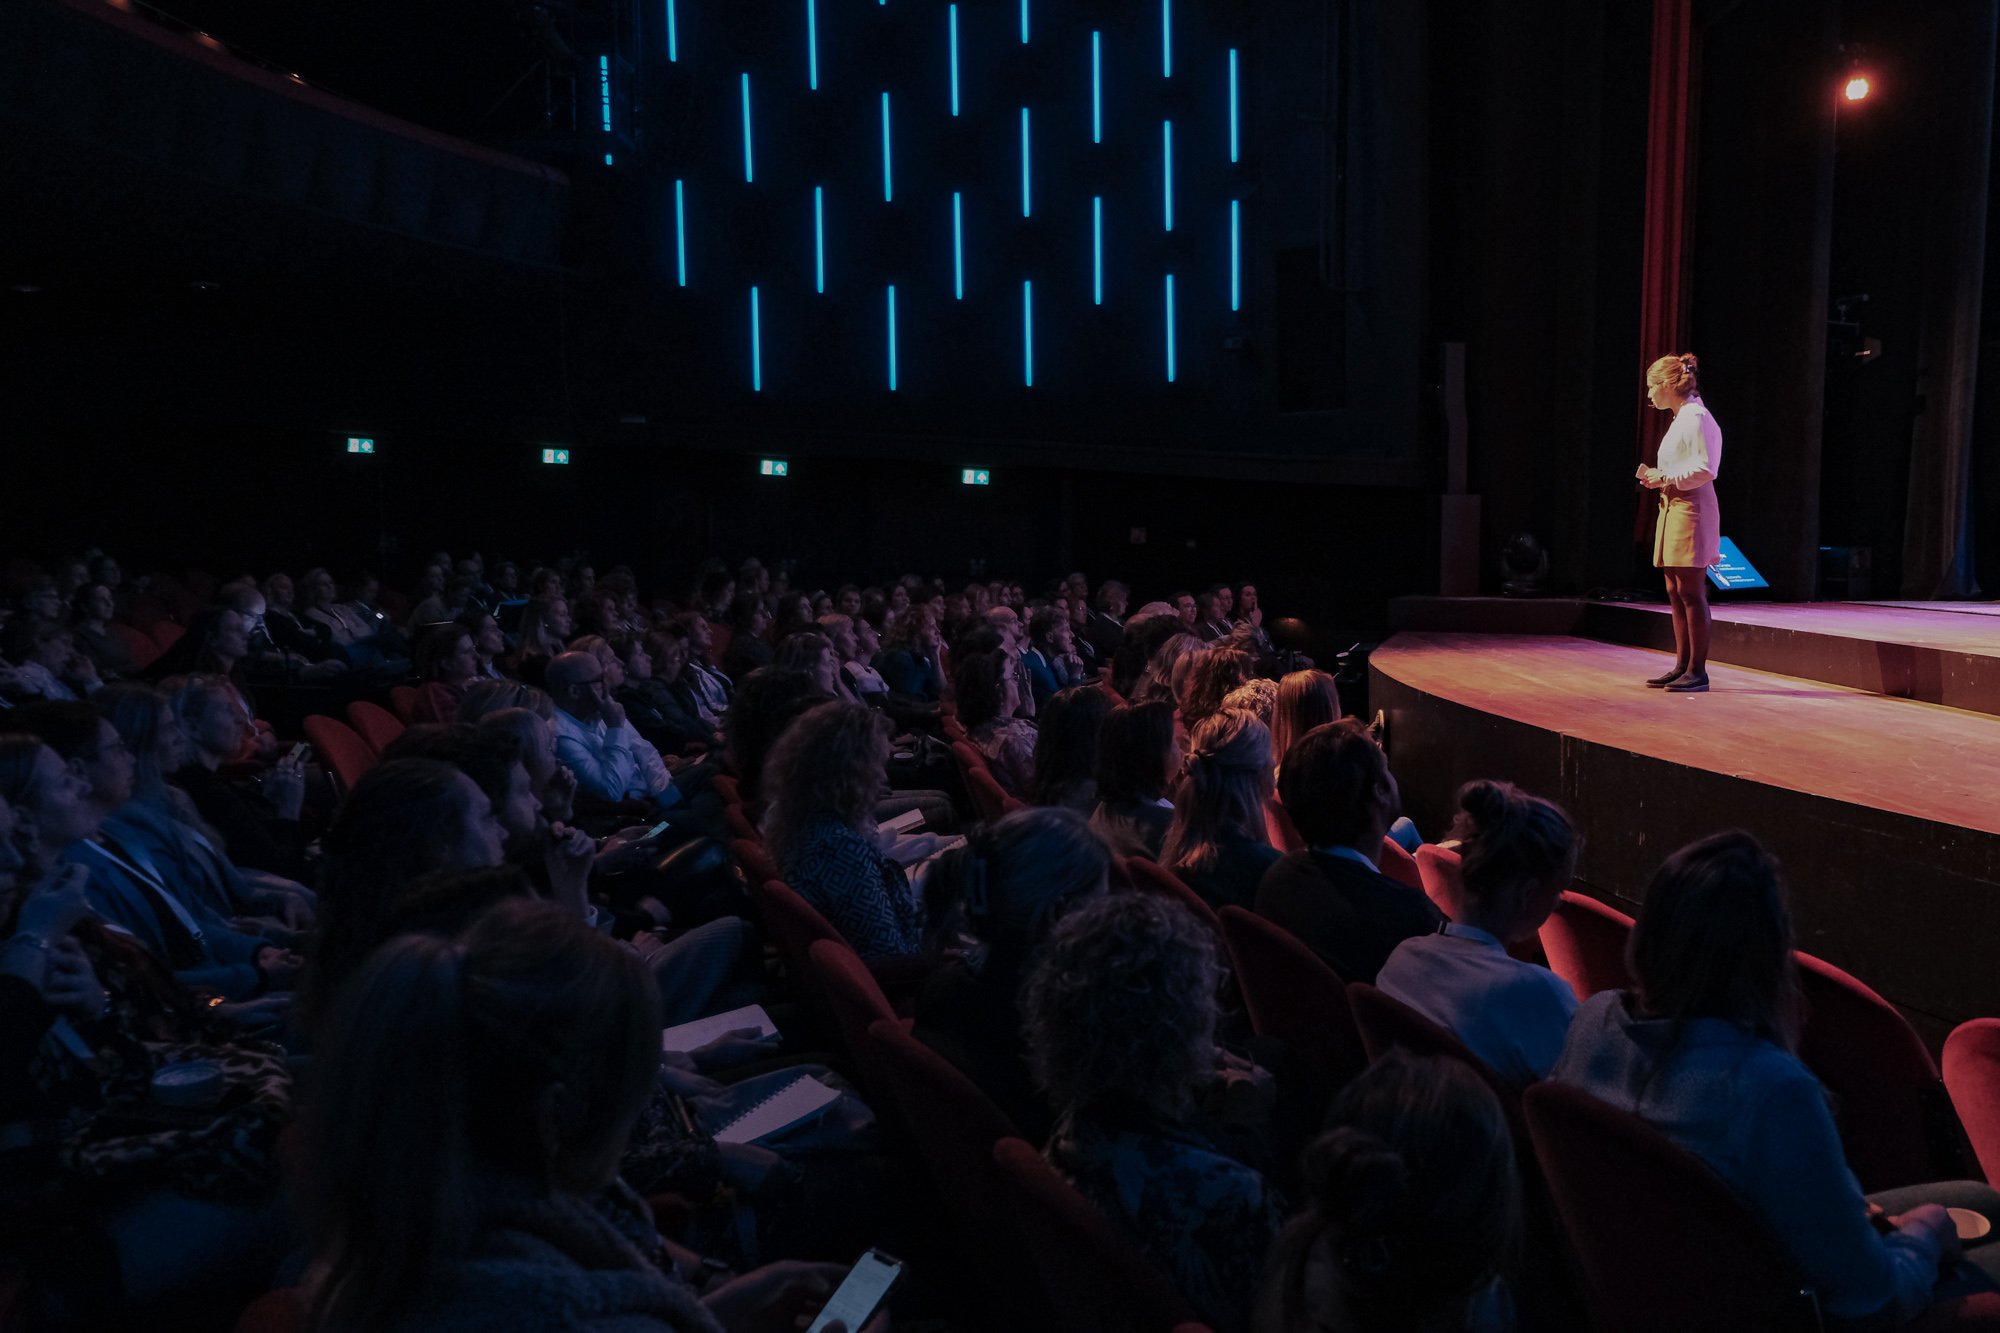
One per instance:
(892, 337)
(812, 44)
(1233, 153)
(1027, 333)
(1097, 87)
(1170, 328)
(556, 456)
(749, 160)
(1166, 39)
(1235, 254)
(756, 343)
(1024, 22)
(360, 444)
(673, 34)
(957, 246)
(888, 181)
(975, 476)
(1857, 88)
(773, 467)
(1167, 157)
(680, 232)
(1027, 196)
(819, 240)
(1097, 249)
(954, 59)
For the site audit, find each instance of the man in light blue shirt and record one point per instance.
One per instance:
(611, 760)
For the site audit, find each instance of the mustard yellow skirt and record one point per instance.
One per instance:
(1688, 533)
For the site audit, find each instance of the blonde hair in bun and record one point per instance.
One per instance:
(1678, 371)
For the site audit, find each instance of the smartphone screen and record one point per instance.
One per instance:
(659, 828)
(861, 1292)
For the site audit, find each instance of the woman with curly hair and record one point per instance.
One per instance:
(1217, 843)
(988, 694)
(1120, 1022)
(824, 778)
(1210, 678)
(911, 654)
(1166, 674)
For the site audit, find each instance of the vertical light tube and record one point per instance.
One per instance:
(954, 59)
(812, 44)
(892, 337)
(1235, 254)
(888, 177)
(819, 239)
(1097, 87)
(673, 34)
(749, 160)
(604, 88)
(1027, 195)
(756, 344)
(1028, 332)
(957, 245)
(1097, 249)
(1024, 22)
(1232, 104)
(1170, 328)
(1166, 39)
(1167, 156)
(680, 232)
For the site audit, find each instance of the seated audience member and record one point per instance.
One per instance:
(987, 697)
(855, 644)
(813, 655)
(1217, 842)
(770, 701)
(1257, 696)
(260, 830)
(1138, 754)
(910, 655)
(1166, 674)
(1105, 626)
(1517, 854)
(715, 595)
(483, 698)
(1065, 762)
(823, 779)
(611, 760)
(264, 659)
(129, 889)
(1413, 1210)
(290, 630)
(359, 631)
(476, 1097)
(91, 613)
(544, 633)
(1011, 882)
(1306, 699)
(794, 612)
(1211, 619)
(162, 825)
(45, 661)
(427, 597)
(1211, 676)
(1702, 1047)
(1143, 638)
(1050, 657)
(535, 741)
(1248, 612)
(1184, 607)
(712, 689)
(447, 662)
(1119, 1021)
(657, 697)
(40, 597)
(489, 644)
(748, 649)
(1341, 797)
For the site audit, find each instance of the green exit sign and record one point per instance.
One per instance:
(774, 467)
(975, 476)
(555, 456)
(360, 444)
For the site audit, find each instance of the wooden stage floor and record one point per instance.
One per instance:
(1885, 810)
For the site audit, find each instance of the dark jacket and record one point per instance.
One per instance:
(1232, 879)
(1350, 915)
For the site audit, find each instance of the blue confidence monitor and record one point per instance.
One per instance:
(1733, 572)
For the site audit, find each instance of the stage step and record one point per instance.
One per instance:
(1934, 652)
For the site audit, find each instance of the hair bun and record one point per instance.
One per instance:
(1488, 802)
(1689, 360)
(1357, 1179)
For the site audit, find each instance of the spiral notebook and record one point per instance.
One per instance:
(802, 1097)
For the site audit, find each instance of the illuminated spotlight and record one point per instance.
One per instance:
(756, 343)
(954, 59)
(975, 476)
(360, 444)
(888, 183)
(680, 232)
(673, 34)
(812, 44)
(749, 159)
(892, 337)
(819, 240)
(1857, 88)
(556, 456)
(957, 245)
(773, 467)
(1028, 333)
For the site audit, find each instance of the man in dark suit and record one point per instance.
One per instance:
(1106, 626)
(1338, 790)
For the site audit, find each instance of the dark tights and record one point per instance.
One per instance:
(1687, 595)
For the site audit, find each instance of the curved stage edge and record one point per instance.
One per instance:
(1885, 811)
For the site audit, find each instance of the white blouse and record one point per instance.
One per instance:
(1691, 453)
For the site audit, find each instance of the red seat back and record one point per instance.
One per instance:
(139, 645)
(989, 800)
(1664, 1245)
(725, 787)
(740, 826)
(719, 638)
(1895, 1116)
(166, 633)
(1092, 1276)
(1149, 876)
(341, 748)
(403, 698)
(856, 1001)
(375, 724)
(1278, 824)
(1972, 1073)
(1585, 942)
(1398, 864)
(755, 860)
(1291, 994)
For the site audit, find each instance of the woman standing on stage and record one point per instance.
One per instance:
(1688, 537)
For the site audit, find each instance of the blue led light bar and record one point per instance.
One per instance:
(812, 44)
(1166, 39)
(1232, 104)
(1024, 22)
(1027, 195)
(604, 88)
(1097, 87)
(749, 161)
(1167, 156)
(1170, 328)
(1235, 254)
(1028, 332)
(681, 231)
(756, 344)
(957, 245)
(888, 180)
(954, 59)
(673, 34)
(892, 337)
(819, 239)
(1097, 249)
(607, 159)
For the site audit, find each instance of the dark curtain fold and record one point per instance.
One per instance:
(1957, 61)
